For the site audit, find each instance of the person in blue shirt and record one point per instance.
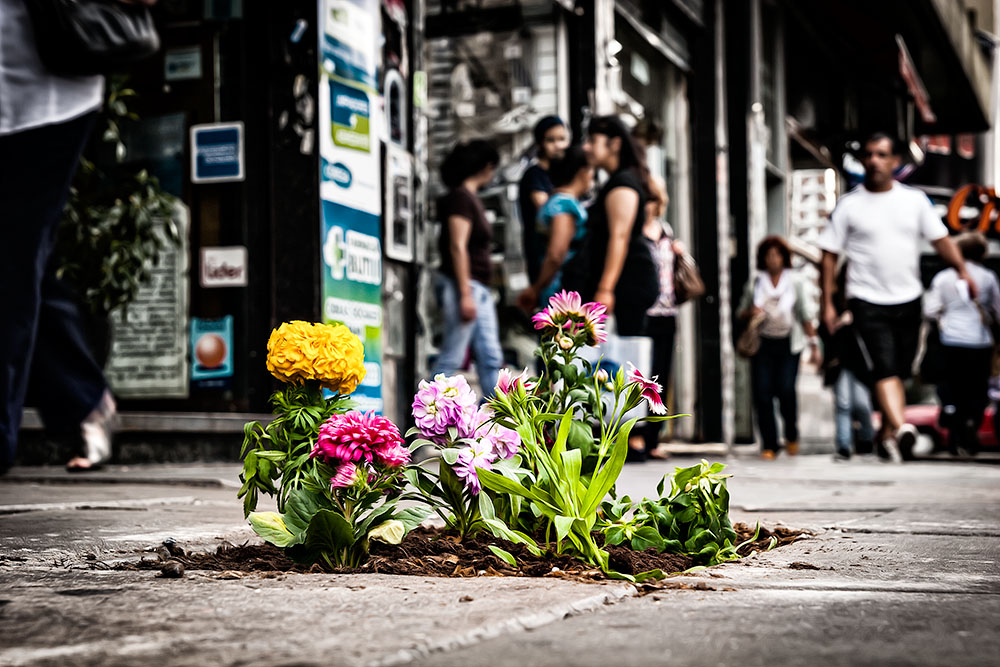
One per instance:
(561, 222)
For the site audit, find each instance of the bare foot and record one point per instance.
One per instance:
(79, 463)
(637, 443)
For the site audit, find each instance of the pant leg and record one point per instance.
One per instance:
(861, 409)
(457, 333)
(36, 169)
(486, 339)
(969, 370)
(842, 402)
(787, 396)
(763, 381)
(663, 332)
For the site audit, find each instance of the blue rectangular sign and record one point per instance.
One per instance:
(217, 152)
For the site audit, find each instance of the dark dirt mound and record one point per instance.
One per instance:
(430, 552)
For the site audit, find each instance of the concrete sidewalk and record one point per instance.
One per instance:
(903, 570)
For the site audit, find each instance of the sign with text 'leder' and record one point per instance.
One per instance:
(217, 152)
(224, 266)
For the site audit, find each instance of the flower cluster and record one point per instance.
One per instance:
(649, 389)
(490, 441)
(327, 353)
(357, 443)
(444, 403)
(571, 322)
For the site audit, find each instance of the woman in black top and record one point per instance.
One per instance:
(551, 140)
(621, 273)
(462, 285)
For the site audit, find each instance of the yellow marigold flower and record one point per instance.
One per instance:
(328, 353)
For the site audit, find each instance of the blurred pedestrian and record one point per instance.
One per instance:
(878, 226)
(776, 296)
(660, 325)
(967, 342)
(561, 224)
(44, 123)
(846, 370)
(466, 272)
(618, 268)
(551, 139)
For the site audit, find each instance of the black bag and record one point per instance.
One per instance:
(86, 37)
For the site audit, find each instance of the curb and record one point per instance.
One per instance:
(612, 594)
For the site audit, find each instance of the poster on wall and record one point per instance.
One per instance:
(350, 180)
(212, 352)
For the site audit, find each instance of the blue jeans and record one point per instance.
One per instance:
(852, 401)
(773, 371)
(482, 333)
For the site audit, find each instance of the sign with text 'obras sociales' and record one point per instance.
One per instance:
(350, 180)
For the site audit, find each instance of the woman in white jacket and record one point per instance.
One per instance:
(966, 341)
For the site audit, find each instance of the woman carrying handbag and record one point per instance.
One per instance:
(774, 300)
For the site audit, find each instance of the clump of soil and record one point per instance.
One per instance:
(431, 552)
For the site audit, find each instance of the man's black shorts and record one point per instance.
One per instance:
(890, 336)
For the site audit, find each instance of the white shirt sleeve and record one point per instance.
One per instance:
(933, 302)
(931, 226)
(833, 238)
(994, 289)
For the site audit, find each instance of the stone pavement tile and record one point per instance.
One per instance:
(188, 474)
(756, 628)
(81, 617)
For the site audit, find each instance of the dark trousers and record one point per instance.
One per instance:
(964, 392)
(774, 370)
(42, 336)
(662, 330)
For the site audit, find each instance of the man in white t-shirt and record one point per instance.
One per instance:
(879, 227)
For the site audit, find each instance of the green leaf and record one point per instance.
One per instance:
(450, 455)
(608, 474)
(614, 535)
(328, 533)
(271, 528)
(502, 555)
(563, 526)
(647, 537)
(412, 517)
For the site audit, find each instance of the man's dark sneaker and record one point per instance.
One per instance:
(841, 457)
(906, 437)
(862, 447)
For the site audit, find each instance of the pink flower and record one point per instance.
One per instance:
(566, 315)
(505, 442)
(478, 455)
(650, 390)
(392, 456)
(355, 436)
(507, 381)
(347, 475)
(444, 403)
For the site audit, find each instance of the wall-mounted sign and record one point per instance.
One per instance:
(350, 180)
(217, 152)
(224, 267)
(149, 349)
(182, 64)
(212, 351)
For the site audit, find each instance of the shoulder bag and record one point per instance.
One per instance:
(87, 37)
(748, 344)
(687, 279)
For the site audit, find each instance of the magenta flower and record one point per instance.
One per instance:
(566, 315)
(444, 403)
(650, 390)
(355, 436)
(478, 455)
(392, 456)
(347, 475)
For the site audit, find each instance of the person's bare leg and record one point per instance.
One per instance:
(892, 399)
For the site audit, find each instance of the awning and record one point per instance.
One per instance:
(925, 48)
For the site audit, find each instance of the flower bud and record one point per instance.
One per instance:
(601, 375)
(565, 342)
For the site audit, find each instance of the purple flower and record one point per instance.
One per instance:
(444, 403)
(506, 442)
(478, 455)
